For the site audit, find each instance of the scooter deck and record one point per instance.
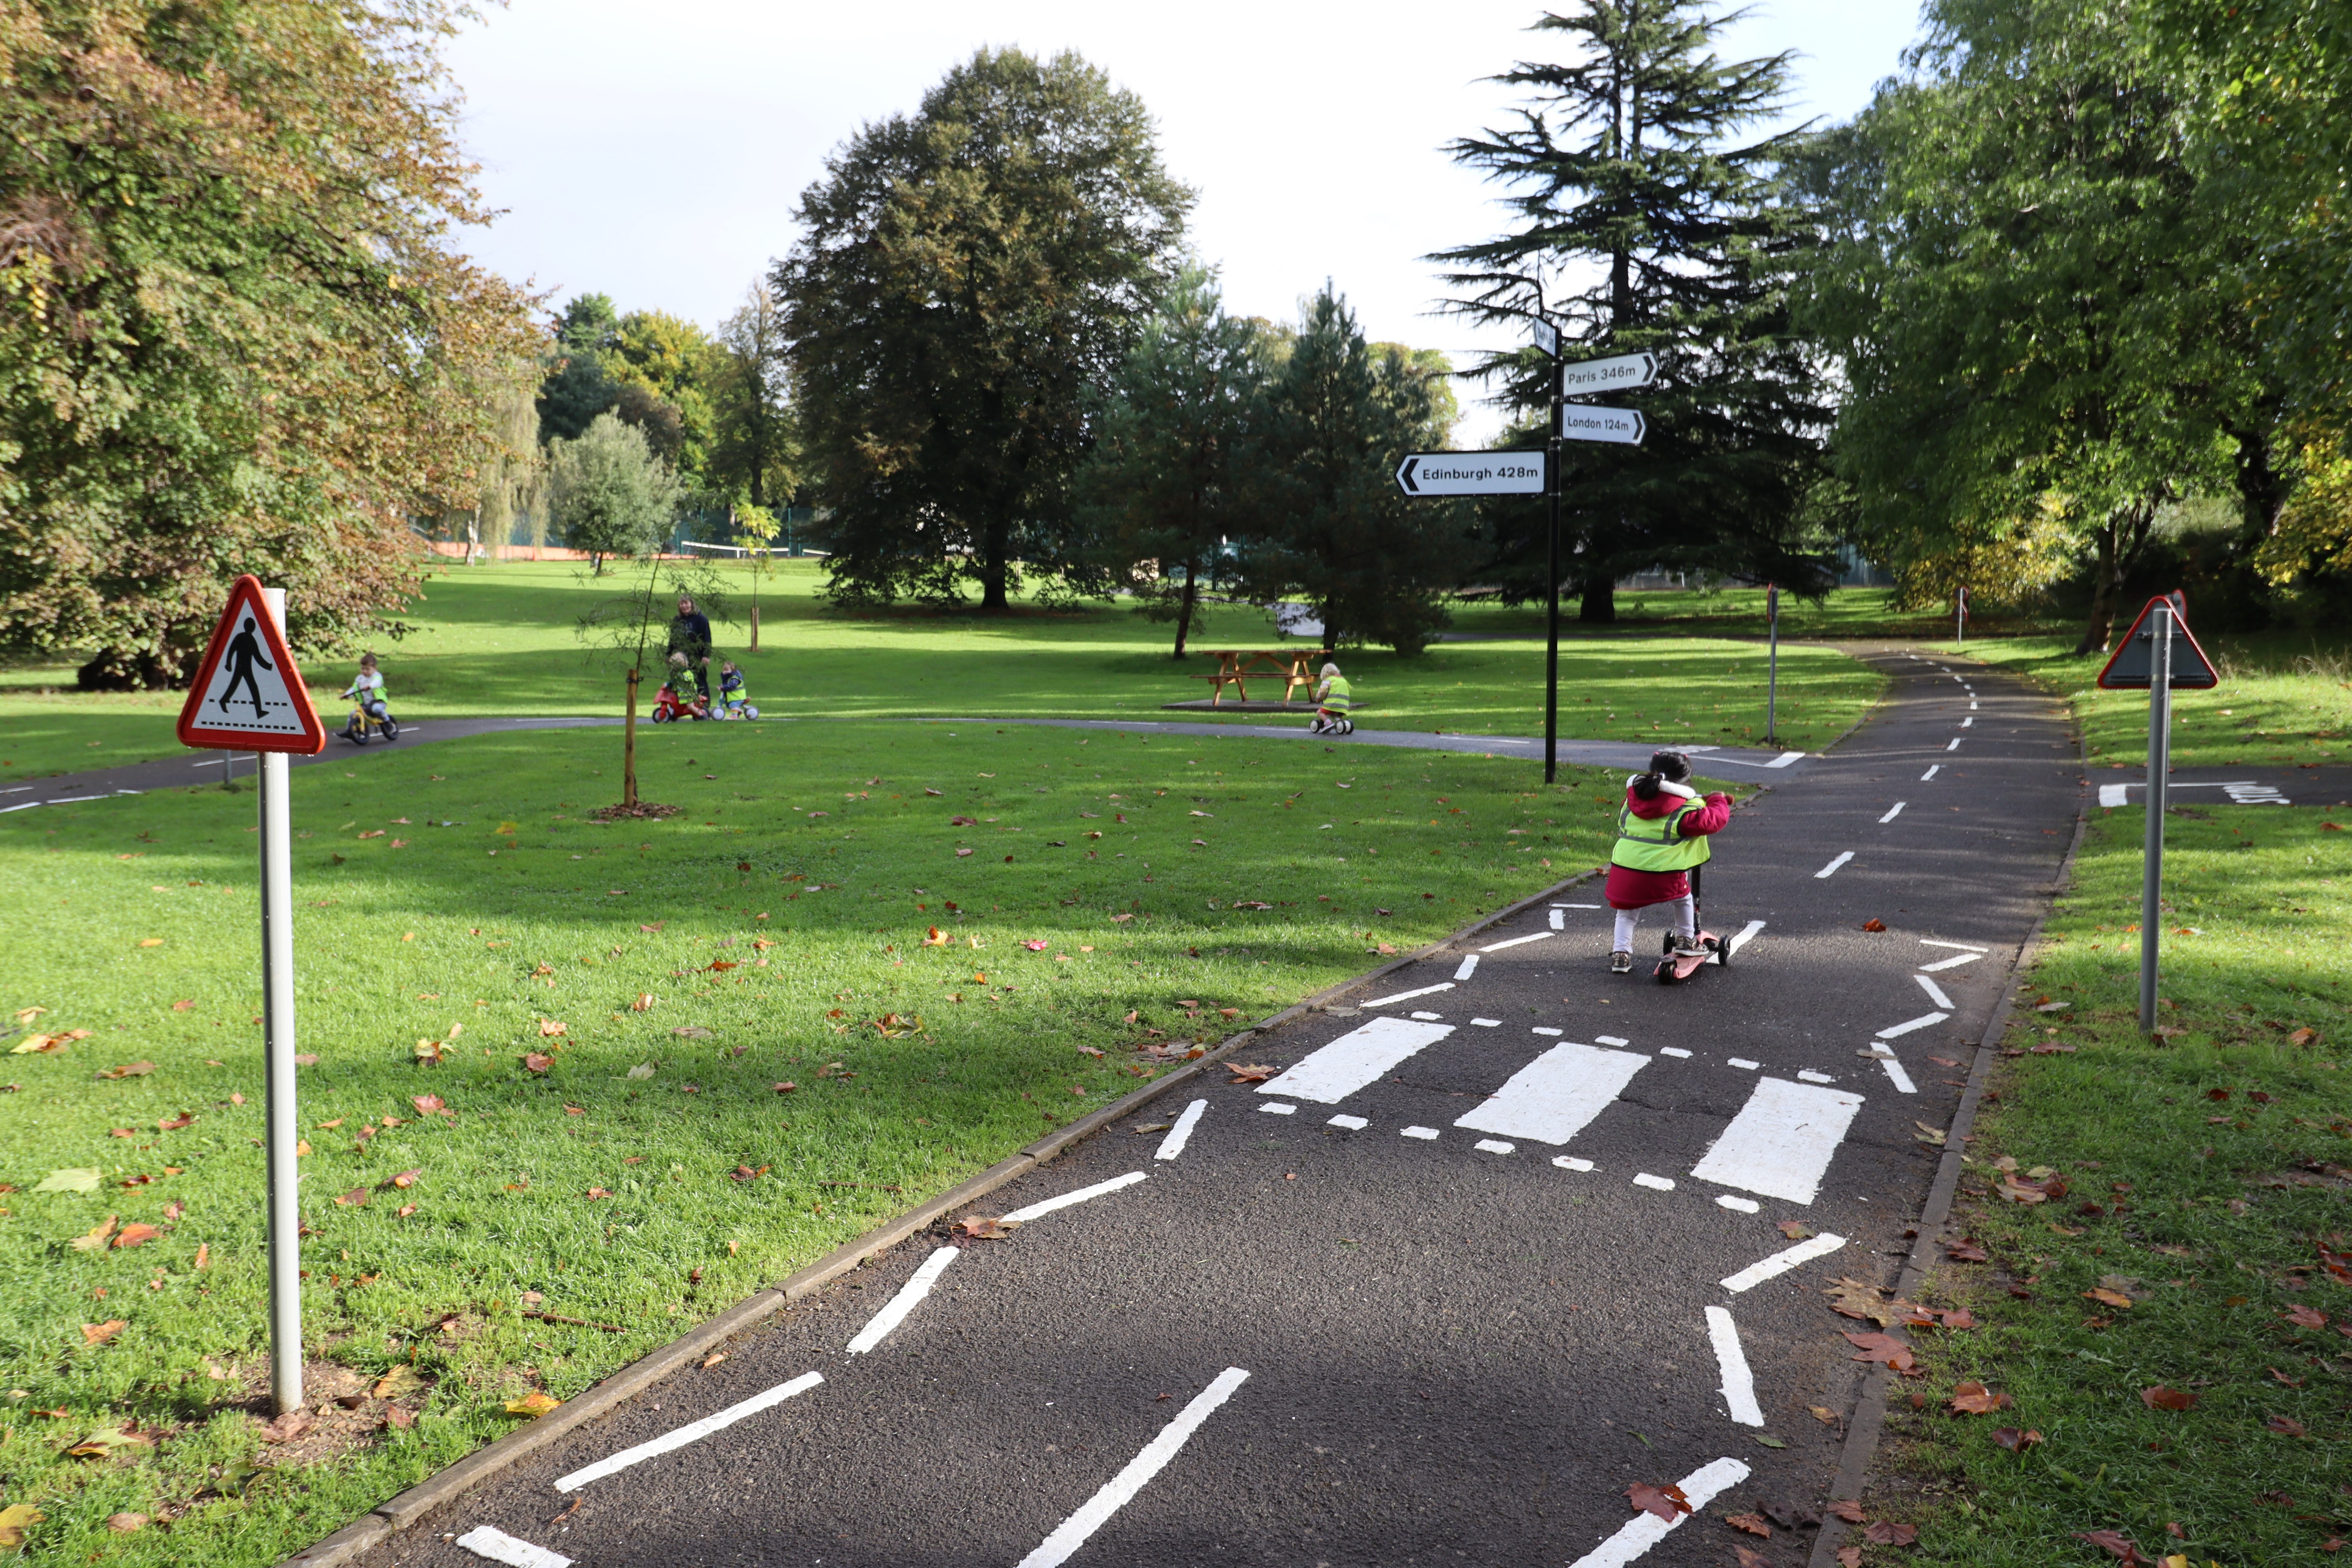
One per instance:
(1674, 968)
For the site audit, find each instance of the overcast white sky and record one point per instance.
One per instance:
(656, 154)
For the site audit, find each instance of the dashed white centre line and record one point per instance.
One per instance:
(1663, 1051)
(1181, 1133)
(1421, 992)
(1072, 1531)
(1924, 1020)
(693, 1431)
(1494, 1146)
(1894, 813)
(1901, 1080)
(1738, 1382)
(1931, 772)
(1742, 1063)
(1955, 745)
(1831, 869)
(1973, 704)
(1487, 1023)
(1353, 1123)
(1571, 1163)
(1510, 942)
(1469, 968)
(1664, 1184)
(1422, 1133)
(500, 1547)
(1612, 1039)
(1023, 1215)
(1935, 992)
(1966, 722)
(1739, 1204)
(909, 1295)
(1740, 939)
(1963, 947)
(1780, 1263)
(1638, 1534)
(1940, 964)
(1275, 1108)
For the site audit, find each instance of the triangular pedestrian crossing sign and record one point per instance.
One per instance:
(248, 696)
(2132, 666)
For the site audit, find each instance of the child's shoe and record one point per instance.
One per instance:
(1690, 948)
(1620, 963)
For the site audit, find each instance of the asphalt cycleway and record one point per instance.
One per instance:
(1477, 1251)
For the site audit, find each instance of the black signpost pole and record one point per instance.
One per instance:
(1551, 581)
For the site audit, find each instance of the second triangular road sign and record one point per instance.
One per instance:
(248, 696)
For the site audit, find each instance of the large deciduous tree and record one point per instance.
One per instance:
(1159, 495)
(1633, 188)
(966, 279)
(753, 451)
(236, 337)
(1327, 521)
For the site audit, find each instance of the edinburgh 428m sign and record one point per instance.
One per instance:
(1472, 473)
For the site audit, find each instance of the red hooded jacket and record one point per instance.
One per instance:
(1631, 889)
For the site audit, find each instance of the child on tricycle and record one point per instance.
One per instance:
(678, 698)
(370, 714)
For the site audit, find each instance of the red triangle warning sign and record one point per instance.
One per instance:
(248, 696)
(2132, 666)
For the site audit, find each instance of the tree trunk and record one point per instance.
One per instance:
(2101, 626)
(2261, 492)
(1599, 602)
(993, 569)
(1184, 605)
(755, 615)
(629, 747)
(474, 536)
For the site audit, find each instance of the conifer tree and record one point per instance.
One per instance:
(1663, 231)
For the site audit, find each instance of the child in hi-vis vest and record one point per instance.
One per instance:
(1333, 700)
(1662, 842)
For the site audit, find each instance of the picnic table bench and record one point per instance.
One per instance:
(1294, 667)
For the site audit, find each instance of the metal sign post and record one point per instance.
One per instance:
(1551, 561)
(248, 694)
(1772, 662)
(1960, 614)
(2159, 756)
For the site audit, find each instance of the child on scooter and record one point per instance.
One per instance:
(367, 690)
(679, 691)
(1662, 841)
(734, 693)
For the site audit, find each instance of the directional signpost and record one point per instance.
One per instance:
(249, 695)
(1471, 473)
(2156, 655)
(1624, 372)
(1587, 421)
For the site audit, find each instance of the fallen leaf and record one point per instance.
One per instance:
(98, 1333)
(2286, 1427)
(2015, 1441)
(1849, 1557)
(98, 1236)
(73, 1179)
(2306, 1318)
(128, 1069)
(1854, 1299)
(1884, 1348)
(1824, 1414)
(1976, 1399)
(533, 1405)
(1874, 923)
(406, 1179)
(428, 1104)
(549, 1028)
(2117, 1544)
(1887, 1533)
(1794, 1230)
(136, 1236)
(1753, 1523)
(642, 1070)
(693, 1031)
(286, 1427)
(983, 1229)
(1749, 1559)
(16, 1518)
(1253, 1073)
(1969, 1251)
(1667, 1502)
(126, 1523)
(2303, 1037)
(537, 1061)
(2108, 1298)
(1849, 1509)
(2160, 1397)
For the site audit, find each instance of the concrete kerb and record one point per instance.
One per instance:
(403, 1510)
(1868, 1421)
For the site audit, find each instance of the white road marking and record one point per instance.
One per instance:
(500, 1547)
(1935, 992)
(1743, 1205)
(1072, 1531)
(1966, 722)
(2112, 795)
(1515, 941)
(1427, 1016)
(1353, 1123)
(1610, 1040)
(1808, 1076)
(1931, 772)
(1940, 964)
(1487, 1024)
(1738, 1382)
(1558, 1095)
(1972, 702)
(1743, 1063)
(1894, 1066)
(693, 1431)
(1418, 1131)
(1831, 869)
(1408, 996)
(1023, 1215)
(1278, 1109)
(1783, 760)
(1576, 907)
(1663, 1051)
(1955, 745)
(1894, 813)
(69, 800)
(1539, 1028)
(1560, 920)
(1782, 1141)
(22, 806)
(1361, 1056)
(16, 788)
(1963, 947)
(1924, 1020)
(1493, 1145)
(911, 1294)
(1746, 934)
(1640, 1533)
(1780, 1263)
(1181, 1133)
(1664, 1184)
(1469, 968)
(1571, 1163)
(120, 792)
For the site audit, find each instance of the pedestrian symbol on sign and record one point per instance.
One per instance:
(244, 653)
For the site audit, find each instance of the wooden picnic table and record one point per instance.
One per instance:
(1294, 667)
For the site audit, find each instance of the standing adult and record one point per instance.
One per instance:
(689, 634)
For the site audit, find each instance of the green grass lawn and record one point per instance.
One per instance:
(2204, 1172)
(782, 928)
(2284, 699)
(501, 639)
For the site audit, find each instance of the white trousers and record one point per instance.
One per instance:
(1685, 923)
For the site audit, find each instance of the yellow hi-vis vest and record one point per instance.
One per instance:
(1335, 697)
(1646, 844)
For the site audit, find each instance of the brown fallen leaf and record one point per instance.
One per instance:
(1668, 1502)
(428, 1104)
(1824, 1414)
(1976, 1399)
(406, 1179)
(1849, 1509)
(1887, 1533)
(399, 1418)
(1748, 1558)
(355, 1199)
(2117, 1544)
(537, 1061)
(2108, 1298)
(286, 1427)
(1855, 1299)
(1794, 1230)
(182, 1120)
(1874, 923)
(1884, 1348)
(2015, 1441)
(1255, 1073)
(1849, 1557)
(128, 1069)
(15, 1519)
(982, 1228)
(126, 1523)
(2305, 1317)
(399, 1383)
(533, 1405)
(2160, 1397)
(2286, 1427)
(1753, 1523)
(98, 1333)
(136, 1236)
(1966, 1251)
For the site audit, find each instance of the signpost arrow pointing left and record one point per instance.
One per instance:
(1404, 474)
